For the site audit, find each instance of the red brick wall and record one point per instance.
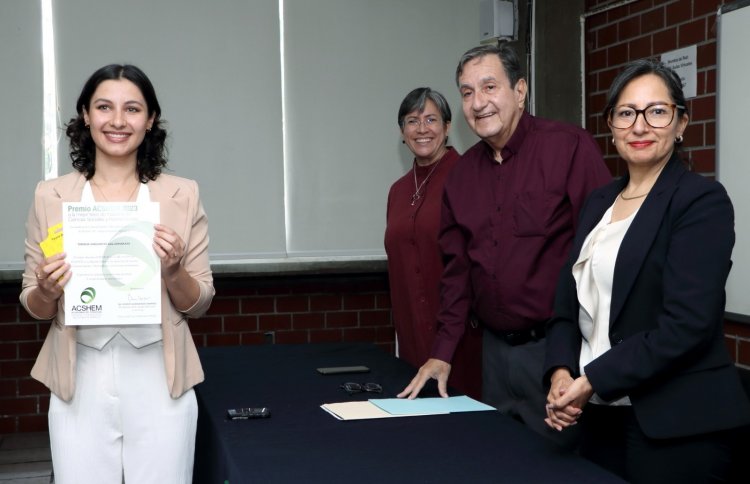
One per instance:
(245, 311)
(738, 341)
(649, 28)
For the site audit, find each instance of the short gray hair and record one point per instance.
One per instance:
(503, 51)
(416, 100)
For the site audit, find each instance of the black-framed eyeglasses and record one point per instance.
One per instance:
(352, 388)
(658, 115)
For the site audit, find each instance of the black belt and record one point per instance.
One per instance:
(515, 338)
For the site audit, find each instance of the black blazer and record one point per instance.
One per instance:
(666, 321)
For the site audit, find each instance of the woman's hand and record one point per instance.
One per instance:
(182, 288)
(169, 247)
(566, 399)
(52, 274)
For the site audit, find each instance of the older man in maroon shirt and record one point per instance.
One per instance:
(510, 209)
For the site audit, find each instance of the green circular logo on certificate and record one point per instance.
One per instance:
(130, 246)
(88, 295)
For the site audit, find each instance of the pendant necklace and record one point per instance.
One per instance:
(418, 187)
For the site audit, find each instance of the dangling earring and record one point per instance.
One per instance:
(613, 142)
(678, 139)
(403, 141)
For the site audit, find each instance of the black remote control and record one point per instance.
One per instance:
(246, 413)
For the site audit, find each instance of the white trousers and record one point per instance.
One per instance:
(121, 422)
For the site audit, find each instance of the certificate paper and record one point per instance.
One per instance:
(116, 273)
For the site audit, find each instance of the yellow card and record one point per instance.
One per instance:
(53, 244)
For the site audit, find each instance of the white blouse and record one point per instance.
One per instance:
(594, 272)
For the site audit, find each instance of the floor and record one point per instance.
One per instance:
(25, 459)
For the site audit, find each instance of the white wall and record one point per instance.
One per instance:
(21, 127)
(349, 64)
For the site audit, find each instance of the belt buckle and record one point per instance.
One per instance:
(515, 338)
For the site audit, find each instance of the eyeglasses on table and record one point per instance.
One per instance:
(352, 388)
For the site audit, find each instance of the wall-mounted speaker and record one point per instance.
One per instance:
(497, 20)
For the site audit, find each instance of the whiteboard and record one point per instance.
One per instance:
(733, 165)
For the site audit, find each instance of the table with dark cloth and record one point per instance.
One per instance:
(301, 443)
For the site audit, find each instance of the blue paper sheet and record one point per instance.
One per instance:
(430, 406)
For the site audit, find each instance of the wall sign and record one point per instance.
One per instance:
(684, 62)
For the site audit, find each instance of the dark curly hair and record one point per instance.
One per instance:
(151, 157)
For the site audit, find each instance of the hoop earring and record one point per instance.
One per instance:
(678, 139)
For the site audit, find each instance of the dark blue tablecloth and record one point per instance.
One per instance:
(301, 443)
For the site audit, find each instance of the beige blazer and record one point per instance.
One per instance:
(181, 210)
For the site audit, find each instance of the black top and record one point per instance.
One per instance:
(666, 318)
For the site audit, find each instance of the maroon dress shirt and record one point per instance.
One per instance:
(415, 268)
(506, 228)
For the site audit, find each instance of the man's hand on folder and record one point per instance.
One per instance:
(433, 368)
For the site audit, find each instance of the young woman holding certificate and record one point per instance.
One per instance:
(122, 404)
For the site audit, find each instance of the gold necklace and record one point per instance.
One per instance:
(130, 197)
(632, 198)
(649, 190)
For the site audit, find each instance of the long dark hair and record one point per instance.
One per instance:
(151, 156)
